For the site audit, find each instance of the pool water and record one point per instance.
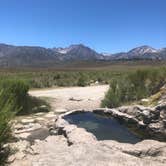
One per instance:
(103, 127)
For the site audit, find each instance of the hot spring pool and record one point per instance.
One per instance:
(103, 127)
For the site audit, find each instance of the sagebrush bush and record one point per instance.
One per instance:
(8, 109)
(134, 86)
(16, 89)
(13, 96)
(14, 100)
(83, 80)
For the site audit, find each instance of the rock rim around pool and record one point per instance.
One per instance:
(71, 145)
(103, 127)
(150, 122)
(145, 122)
(151, 152)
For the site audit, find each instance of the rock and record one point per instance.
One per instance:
(60, 110)
(27, 128)
(163, 114)
(19, 126)
(155, 126)
(61, 123)
(130, 110)
(38, 119)
(157, 129)
(96, 82)
(41, 134)
(52, 131)
(42, 108)
(79, 135)
(153, 117)
(74, 99)
(141, 125)
(40, 114)
(11, 159)
(161, 106)
(146, 112)
(164, 123)
(19, 147)
(69, 128)
(26, 121)
(50, 123)
(23, 136)
(127, 118)
(50, 115)
(145, 100)
(55, 149)
(147, 149)
(76, 146)
(146, 120)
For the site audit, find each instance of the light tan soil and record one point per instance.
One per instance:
(72, 98)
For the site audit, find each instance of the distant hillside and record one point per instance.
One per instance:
(143, 52)
(79, 52)
(26, 56)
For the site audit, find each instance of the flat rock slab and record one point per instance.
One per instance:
(55, 151)
(26, 121)
(60, 110)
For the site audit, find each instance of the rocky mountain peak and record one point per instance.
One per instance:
(142, 50)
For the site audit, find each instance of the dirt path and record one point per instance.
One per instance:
(73, 97)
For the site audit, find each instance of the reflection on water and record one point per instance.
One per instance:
(103, 127)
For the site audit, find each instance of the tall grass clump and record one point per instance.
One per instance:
(134, 86)
(13, 99)
(7, 112)
(83, 80)
(17, 90)
(9, 99)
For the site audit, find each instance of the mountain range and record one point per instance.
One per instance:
(17, 56)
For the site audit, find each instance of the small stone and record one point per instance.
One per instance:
(146, 112)
(155, 126)
(52, 131)
(39, 119)
(161, 106)
(145, 100)
(60, 110)
(23, 135)
(40, 114)
(19, 126)
(11, 158)
(29, 127)
(163, 114)
(50, 115)
(25, 121)
(164, 123)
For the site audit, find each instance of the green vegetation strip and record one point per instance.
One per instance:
(134, 86)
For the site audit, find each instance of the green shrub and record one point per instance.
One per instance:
(134, 86)
(7, 111)
(34, 105)
(83, 80)
(14, 100)
(13, 96)
(16, 89)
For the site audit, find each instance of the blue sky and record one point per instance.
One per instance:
(104, 25)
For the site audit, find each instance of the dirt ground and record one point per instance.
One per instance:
(72, 98)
